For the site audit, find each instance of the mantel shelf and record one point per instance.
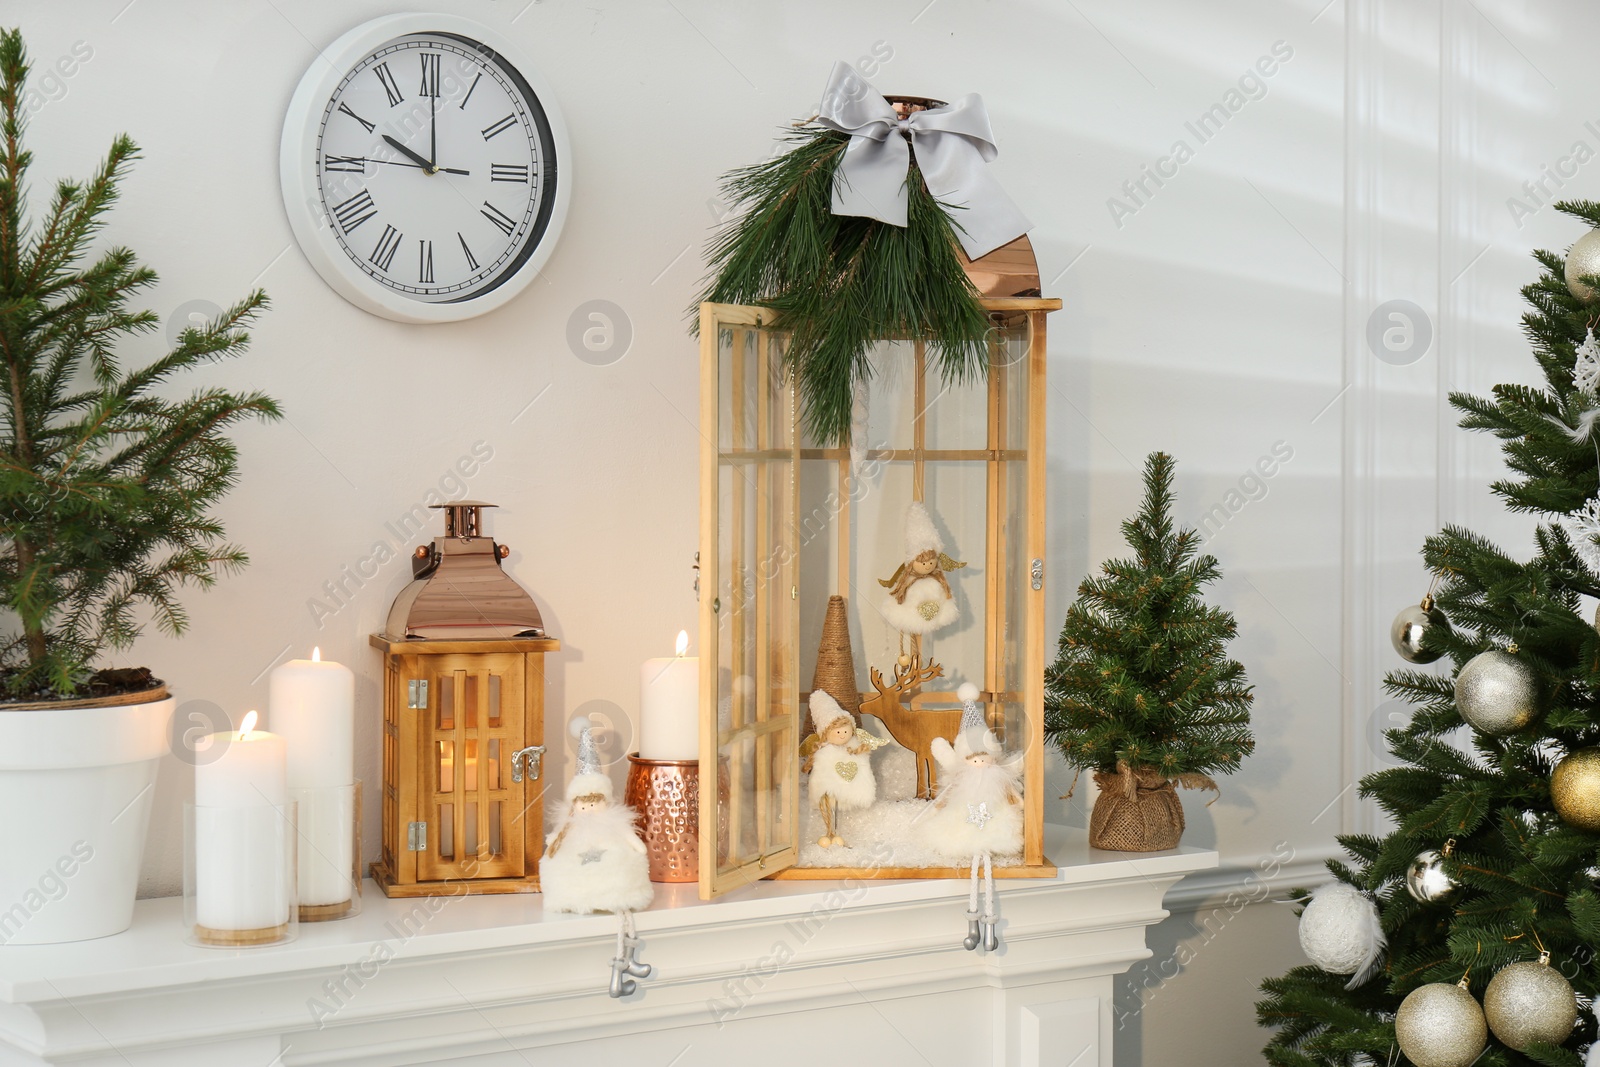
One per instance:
(146, 993)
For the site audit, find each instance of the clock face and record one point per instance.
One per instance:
(424, 180)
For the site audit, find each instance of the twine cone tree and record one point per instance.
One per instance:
(106, 486)
(1509, 804)
(1142, 691)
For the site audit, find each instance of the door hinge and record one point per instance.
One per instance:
(1037, 573)
(417, 836)
(416, 692)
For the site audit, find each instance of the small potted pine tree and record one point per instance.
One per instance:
(106, 491)
(1142, 691)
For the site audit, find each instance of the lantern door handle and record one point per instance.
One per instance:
(532, 757)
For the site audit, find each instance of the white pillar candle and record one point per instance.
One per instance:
(312, 704)
(241, 858)
(669, 706)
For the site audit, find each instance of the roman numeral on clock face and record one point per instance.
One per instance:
(498, 217)
(430, 74)
(383, 254)
(501, 172)
(353, 164)
(471, 262)
(500, 127)
(345, 109)
(355, 211)
(425, 262)
(390, 89)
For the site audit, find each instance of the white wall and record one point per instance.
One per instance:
(1218, 317)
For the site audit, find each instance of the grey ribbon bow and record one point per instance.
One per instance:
(953, 145)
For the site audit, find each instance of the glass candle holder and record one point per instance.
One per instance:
(239, 882)
(328, 851)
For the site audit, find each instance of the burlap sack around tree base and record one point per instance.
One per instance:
(1137, 811)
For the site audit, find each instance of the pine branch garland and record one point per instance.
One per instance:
(841, 284)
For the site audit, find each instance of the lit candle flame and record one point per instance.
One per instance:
(683, 641)
(248, 724)
(316, 655)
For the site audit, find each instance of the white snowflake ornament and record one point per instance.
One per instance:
(1583, 527)
(1586, 371)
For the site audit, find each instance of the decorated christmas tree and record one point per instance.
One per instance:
(1142, 690)
(1485, 890)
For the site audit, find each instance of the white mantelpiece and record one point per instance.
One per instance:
(824, 974)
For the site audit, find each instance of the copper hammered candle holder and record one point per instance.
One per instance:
(666, 795)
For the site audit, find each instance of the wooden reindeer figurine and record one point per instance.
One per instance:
(913, 729)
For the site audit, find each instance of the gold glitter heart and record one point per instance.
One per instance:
(847, 769)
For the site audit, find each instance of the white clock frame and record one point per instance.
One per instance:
(302, 194)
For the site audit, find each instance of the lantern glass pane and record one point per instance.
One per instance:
(757, 689)
(471, 746)
(446, 685)
(494, 700)
(469, 829)
(494, 828)
(469, 702)
(445, 765)
(447, 831)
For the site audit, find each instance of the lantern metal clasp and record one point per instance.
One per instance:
(532, 757)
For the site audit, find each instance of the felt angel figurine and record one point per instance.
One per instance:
(977, 814)
(593, 858)
(839, 759)
(919, 600)
(978, 809)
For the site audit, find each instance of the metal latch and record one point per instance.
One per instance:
(417, 836)
(532, 757)
(416, 692)
(1037, 573)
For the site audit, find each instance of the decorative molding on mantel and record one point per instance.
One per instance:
(440, 980)
(1270, 878)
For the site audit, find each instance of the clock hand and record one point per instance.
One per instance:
(433, 133)
(344, 160)
(426, 165)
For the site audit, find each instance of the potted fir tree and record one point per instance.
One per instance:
(106, 491)
(1142, 690)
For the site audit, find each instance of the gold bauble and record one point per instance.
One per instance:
(1575, 789)
(1440, 1025)
(1497, 692)
(1528, 1002)
(1583, 258)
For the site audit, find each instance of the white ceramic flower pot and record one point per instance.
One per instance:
(76, 788)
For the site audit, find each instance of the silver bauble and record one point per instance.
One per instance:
(1340, 932)
(1528, 1002)
(1426, 879)
(1440, 1025)
(1497, 693)
(1405, 633)
(1583, 258)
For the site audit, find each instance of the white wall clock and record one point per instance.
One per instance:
(425, 168)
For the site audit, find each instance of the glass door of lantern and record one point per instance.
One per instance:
(749, 611)
(470, 728)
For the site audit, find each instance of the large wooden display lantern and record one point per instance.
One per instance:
(463, 722)
(789, 526)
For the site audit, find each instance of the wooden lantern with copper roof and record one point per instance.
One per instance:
(463, 721)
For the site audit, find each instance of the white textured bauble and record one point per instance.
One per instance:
(1528, 1002)
(1405, 633)
(1340, 932)
(1584, 258)
(1426, 879)
(1497, 693)
(1440, 1025)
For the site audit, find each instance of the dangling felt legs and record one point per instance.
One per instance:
(982, 926)
(624, 968)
